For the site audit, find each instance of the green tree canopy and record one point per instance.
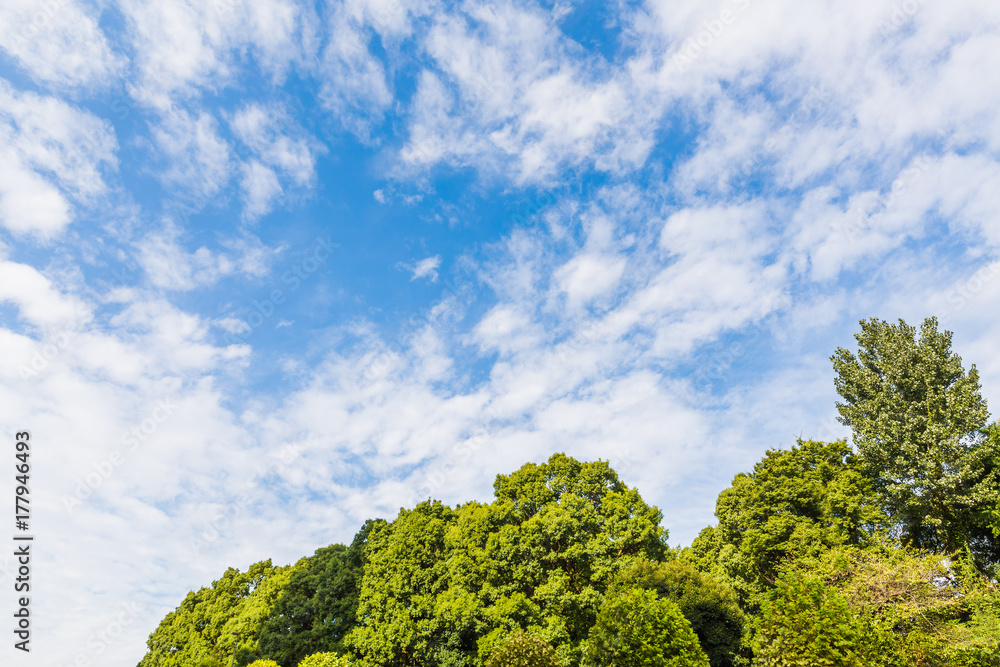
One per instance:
(918, 420)
(910, 608)
(325, 659)
(398, 623)
(569, 566)
(639, 629)
(201, 632)
(794, 502)
(709, 606)
(445, 586)
(318, 606)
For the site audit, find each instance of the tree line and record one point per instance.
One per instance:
(883, 554)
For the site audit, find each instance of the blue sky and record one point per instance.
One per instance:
(270, 268)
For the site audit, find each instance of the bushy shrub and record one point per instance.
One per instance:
(911, 608)
(709, 606)
(263, 663)
(805, 623)
(638, 629)
(523, 650)
(325, 660)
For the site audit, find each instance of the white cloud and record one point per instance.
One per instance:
(232, 325)
(58, 42)
(198, 159)
(513, 94)
(354, 83)
(391, 19)
(426, 268)
(181, 46)
(40, 303)
(261, 189)
(507, 330)
(169, 265)
(588, 276)
(29, 203)
(52, 153)
(267, 132)
(141, 391)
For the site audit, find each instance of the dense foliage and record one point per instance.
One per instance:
(214, 624)
(523, 650)
(637, 628)
(884, 556)
(444, 586)
(794, 502)
(317, 607)
(326, 659)
(918, 421)
(909, 607)
(804, 623)
(709, 606)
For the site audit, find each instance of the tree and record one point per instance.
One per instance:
(318, 606)
(910, 608)
(794, 502)
(543, 553)
(445, 586)
(918, 421)
(521, 649)
(710, 607)
(398, 620)
(638, 629)
(201, 631)
(804, 623)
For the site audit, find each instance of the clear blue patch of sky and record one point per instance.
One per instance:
(17, 77)
(10, 316)
(596, 25)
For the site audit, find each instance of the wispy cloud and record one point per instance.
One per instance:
(59, 42)
(425, 268)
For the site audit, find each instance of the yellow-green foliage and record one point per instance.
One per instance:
(263, 663)
(709, 606)
(325, 660)
(214, 625)
(638, 629)
(910, 609)
(794, 502)
(444, 586)
(805, 623)
(523, 650)
(977, 643)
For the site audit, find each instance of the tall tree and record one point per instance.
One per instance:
(795, 502)
(398, 620)
(445, 586)
(215, 626)
(918, 421)
(319, 604)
